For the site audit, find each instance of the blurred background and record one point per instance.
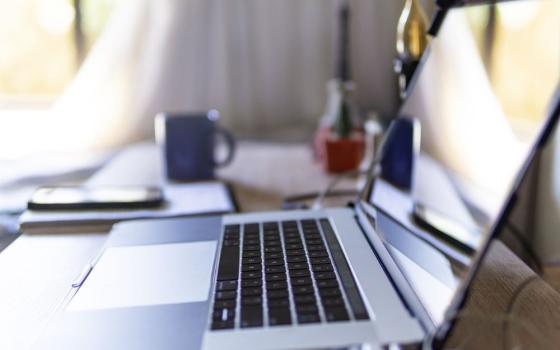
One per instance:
(87, 75)
(83, 74)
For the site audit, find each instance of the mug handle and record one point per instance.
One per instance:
(230, 142)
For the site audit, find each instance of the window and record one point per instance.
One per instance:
(43, 44)
(505, 35)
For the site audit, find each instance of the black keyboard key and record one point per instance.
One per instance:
(332, 302)
(308, 222)
(327, 284)
(272, 249)
(253, 260)
(324, 276)
(232, 228)
(278, 303)
(300, 290)
(251, 301)
(316, 248)
(305, 299)
(277, 294)
(336, 314)
(227, 295)
(251, 267)
(273, 256)
(224, 304)
(231, 243)
(312, 237)
(219, 325)
(274, 262)
(272, 243)
(322, 268)
(294, 246)
(278, 317)
(228, 269)
(251, 248)
(310, 242)
(226, 285)
(270, 225)
(252, 254)
(320, 261)
(318, 254)
(274, 269)
(251, 283)
(311, 233)
(308, 318)
(294, 259)
(289, 223)
(301, 281)
(299, 273)
(251, 292)
(252, 227)
(298, 266)
(276, 277)
(294, 240)
(276, 285)
(329, 292)
(296, 252)
(247, 241)
(251, 275)
(292, 235)
(251, 317)
(306, 309)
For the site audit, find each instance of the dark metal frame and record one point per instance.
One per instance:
(553, 115)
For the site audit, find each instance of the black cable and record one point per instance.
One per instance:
(313, 195)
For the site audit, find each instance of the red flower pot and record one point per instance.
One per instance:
(344, 154)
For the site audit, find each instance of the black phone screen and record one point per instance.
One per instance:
(65, 198)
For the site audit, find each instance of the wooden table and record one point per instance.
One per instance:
(36, 270)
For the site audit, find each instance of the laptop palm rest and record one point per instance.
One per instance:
(147, 275)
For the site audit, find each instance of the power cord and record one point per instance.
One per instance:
(318, 203)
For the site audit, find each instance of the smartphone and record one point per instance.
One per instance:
(463, 237)
(83, 198)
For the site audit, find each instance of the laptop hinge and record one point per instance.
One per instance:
(365, 218)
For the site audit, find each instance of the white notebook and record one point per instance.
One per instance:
(135, 166)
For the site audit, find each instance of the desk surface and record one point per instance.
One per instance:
(36, 270)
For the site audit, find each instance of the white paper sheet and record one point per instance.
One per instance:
(148, 275)
(180, 199)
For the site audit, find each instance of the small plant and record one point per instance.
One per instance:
(343, 124)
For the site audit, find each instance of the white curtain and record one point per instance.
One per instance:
(263, 64)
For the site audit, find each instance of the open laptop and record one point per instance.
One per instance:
(342, 277)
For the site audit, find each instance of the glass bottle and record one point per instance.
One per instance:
(412, 31)
(412, 40)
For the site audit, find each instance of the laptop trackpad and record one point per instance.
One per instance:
(148, 275)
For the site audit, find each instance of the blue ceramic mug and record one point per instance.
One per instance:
(188, 143)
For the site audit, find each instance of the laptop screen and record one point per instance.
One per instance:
(481, 97)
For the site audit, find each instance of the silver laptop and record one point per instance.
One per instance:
(356, 277)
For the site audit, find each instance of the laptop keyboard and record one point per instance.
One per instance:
(283, 273)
